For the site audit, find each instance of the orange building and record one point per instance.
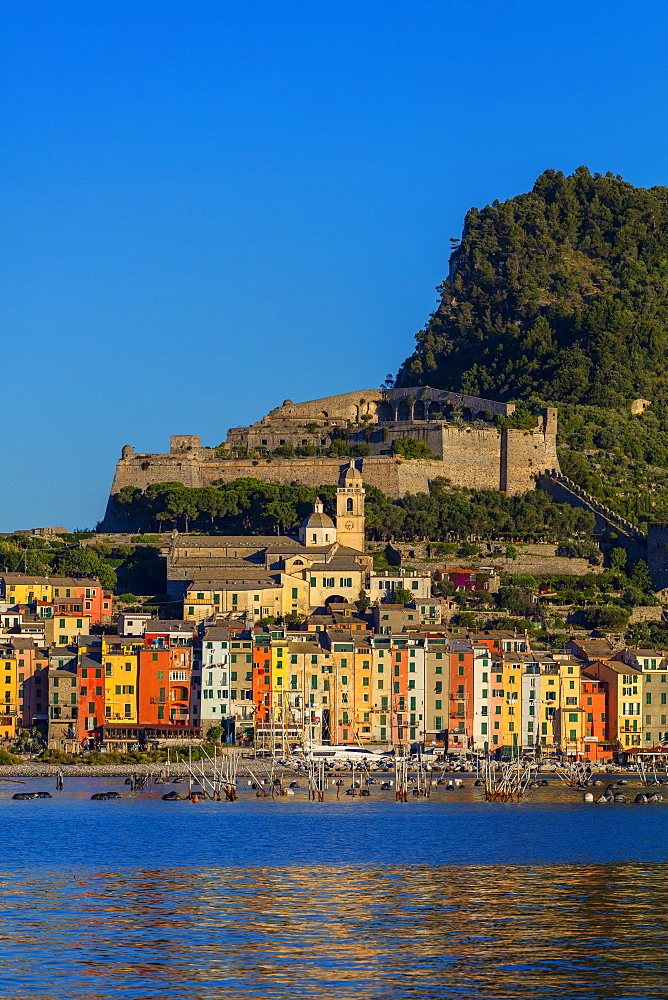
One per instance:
(262, 686)
(90, 695)
(460, 701)
(164, 685)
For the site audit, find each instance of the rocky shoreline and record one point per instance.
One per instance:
(37, 769)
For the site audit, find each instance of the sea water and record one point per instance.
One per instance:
(351, 898)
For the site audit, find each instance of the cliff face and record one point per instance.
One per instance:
(561, 292)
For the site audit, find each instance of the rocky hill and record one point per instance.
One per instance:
(560, 295)
(564, 289)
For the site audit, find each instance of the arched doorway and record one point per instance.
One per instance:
(385, 412)
(418, 411)
(403, 411)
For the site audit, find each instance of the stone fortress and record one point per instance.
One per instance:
(461, 432)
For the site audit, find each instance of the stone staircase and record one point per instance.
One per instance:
(564, 490)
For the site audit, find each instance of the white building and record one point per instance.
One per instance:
(222, 690)
(133, 622)
(383, 583)
(482, 668)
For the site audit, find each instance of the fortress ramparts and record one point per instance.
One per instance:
(461, 431)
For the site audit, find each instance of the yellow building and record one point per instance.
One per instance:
(120, 660)
(363, 691)
(16, 588)
(625, 699)
(260, 597)
(63, 629)
(512, 669)
(570, 719)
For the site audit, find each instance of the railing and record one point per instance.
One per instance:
(601, 508)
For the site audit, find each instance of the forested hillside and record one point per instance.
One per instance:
(560, 293)
(560, 296)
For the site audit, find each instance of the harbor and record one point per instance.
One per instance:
(233, 778)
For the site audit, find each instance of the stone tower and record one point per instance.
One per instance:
(350, 510)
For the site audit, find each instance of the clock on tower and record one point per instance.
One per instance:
(350, 510)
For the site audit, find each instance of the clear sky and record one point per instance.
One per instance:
(209, 206)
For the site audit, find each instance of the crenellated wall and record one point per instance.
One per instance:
(470, 454)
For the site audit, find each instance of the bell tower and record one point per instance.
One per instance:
(350, 510)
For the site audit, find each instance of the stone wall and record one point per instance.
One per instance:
(472, 456)
(657, 555)
(649, 614)
(524, 453)
(534, 560)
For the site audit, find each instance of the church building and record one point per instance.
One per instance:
(273, 575)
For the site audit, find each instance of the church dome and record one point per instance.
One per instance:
(318, 520)
(351, 477)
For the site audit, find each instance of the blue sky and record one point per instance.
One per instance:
(210, 206)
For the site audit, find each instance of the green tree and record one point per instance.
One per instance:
(411, 448)
(362, 602)
(512, 600)
(401, 596)
(606, 617)
(640, 577)
(618, 558)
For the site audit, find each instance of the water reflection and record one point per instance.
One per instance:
(317, 932)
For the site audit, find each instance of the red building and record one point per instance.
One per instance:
(165, 672)
(90, 695)
(594, 702)
(153, 686)
(81, 596)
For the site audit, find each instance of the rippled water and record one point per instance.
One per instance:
(357, 898)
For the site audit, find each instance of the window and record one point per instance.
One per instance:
(572, 717)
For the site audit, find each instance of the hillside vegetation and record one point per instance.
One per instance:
(560, 296)
(251, 506)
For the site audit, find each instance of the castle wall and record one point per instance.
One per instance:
(142, 470)
(471, 456)
(526, 453)
(657, 555)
